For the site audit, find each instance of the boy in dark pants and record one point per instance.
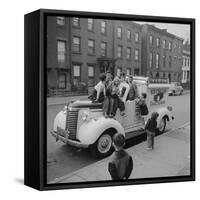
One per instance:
(121, 163)
(150, 129)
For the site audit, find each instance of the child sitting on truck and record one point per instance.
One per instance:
(112, 100)
(99, 91)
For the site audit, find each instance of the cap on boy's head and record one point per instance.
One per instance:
(154, 115)
(118, 140)
(108, 72)
(144, 95)
(102, 77)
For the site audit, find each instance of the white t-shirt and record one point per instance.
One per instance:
(100, 87)
(121, 86)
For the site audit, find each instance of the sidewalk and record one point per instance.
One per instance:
(169, 158)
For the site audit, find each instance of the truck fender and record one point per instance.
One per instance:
(163, 112)
(90, 131)
(60, 121)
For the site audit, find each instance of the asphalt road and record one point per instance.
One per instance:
(63, 159)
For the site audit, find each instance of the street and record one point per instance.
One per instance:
(63, 159)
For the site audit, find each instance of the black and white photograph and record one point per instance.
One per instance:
(118, 99)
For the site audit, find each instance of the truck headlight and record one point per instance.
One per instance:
(65, 109)
(85, 115)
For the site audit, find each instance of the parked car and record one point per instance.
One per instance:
(175, 89)
(82, 124)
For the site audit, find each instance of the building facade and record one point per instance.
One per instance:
(79, 49)
(186, 64)
(161, 53)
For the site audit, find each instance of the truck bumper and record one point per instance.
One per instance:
(68, 141)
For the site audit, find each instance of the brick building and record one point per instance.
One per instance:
(161, 53)
(186, 63)
(79, 49)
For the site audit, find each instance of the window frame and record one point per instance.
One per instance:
(64, 52)
(128, 48)
(128, 36)
(119, 33)
(157, 61)
(103, 49)
(92, 25)
(151, 60)
(151, 40)
(78, 22)
(103, 27)
(137, 37)
(59, 19)
(92, 48)
(91, 77)
(136, 56)
(121, 52)
(79, 45)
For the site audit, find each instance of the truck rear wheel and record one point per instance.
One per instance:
(162, 126)
(103, 146)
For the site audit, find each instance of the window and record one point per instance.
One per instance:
(62, 81)
(60, 21)
(157, 60)
(76, 74)
(128, 53)
(151, 40)
(90, 24)
(103, 27)
(150, 59)
(90, 76)
(119, 51)
(128, 71)
(61, 51)
(185, 61)
(76, 22)
(119, 32)
(103, 48)
(128, 35)
(76, 44)
(136, 54)
(170, 61)
(164, 44)
(164, 61)
(136, 37)
(170, 45)
(119, 70)
(157, 42)
(91, 47)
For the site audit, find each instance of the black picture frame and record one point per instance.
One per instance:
(35, 98)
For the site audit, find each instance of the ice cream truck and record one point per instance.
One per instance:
(82, 124)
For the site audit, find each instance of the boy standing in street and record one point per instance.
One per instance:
(121, 163)
(150, 129)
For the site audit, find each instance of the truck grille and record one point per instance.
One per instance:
(71, 123)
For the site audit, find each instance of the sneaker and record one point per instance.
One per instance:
(149, 149)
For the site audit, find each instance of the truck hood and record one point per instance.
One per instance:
(85, 104)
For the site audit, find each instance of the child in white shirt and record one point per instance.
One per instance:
(99, 91)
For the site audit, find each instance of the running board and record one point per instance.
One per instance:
(132, 134)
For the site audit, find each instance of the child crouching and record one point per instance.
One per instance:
(150, 129)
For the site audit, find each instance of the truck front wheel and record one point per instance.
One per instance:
(103, 146)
